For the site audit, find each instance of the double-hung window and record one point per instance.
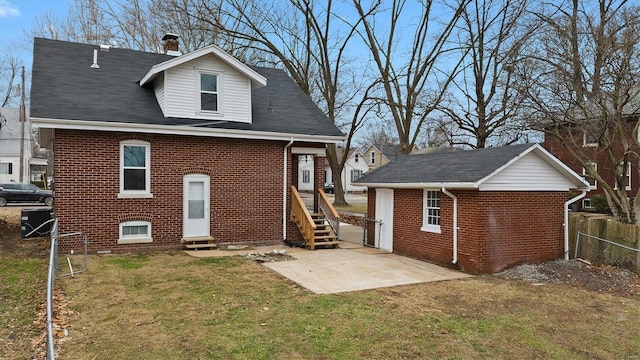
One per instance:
(132, 232)
(589, 140)
(356, 174)
(6, 168)
(627, 177)
(431, 211)
(209, 92)
(135, 169)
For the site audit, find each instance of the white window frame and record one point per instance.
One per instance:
(358, 172)
(586, 203)
(628, 185)
(146, 193)
(9, 167)
(306, 176)
(356, 158)
(584, 176)
(218, 92)
(585, 143)
(135, 239)
(373, 157)
(426, 196)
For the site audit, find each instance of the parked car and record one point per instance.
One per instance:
(16, 192)
(328, 188)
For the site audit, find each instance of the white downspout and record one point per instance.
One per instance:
(284, 191)
(566, 222)
(455, 224)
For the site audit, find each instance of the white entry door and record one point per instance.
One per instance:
(196, 206)
(384, 219)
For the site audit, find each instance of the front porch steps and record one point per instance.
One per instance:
(199, 243)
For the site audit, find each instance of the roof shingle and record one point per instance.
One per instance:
(463, 166)
(64, 86)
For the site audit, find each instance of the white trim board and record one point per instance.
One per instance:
(180, 130)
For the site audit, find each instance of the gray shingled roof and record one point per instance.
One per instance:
(64, 86)
(461, 166)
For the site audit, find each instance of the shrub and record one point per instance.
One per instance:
(599, 204)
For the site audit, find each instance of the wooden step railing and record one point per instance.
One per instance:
(301, 216)
(331, 214)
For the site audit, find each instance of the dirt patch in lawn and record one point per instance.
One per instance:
(598, 278)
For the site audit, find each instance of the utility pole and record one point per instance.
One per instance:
(22, 121)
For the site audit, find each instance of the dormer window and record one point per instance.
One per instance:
(209, 93)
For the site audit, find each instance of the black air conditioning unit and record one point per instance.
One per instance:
(33, 219)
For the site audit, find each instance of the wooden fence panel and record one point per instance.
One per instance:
(602, 252)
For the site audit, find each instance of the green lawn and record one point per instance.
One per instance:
(23, 281)
(172, 306)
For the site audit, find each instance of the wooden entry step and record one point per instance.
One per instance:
(199, 243)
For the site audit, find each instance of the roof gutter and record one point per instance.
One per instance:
(455, 224)
(419, 185)
(181, 130)
(566, 222)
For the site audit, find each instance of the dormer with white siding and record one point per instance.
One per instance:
(207, 84)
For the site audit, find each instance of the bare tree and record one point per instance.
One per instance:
(9, 81)
(483, 103)
(131, 24)
(581, 82)
(412, 88)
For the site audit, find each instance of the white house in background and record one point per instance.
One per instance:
(10, 135)
(354, 168)
(305, 173)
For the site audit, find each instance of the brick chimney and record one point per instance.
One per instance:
(170, 45)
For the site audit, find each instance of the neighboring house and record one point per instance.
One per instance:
(482, 210)
(154, 149)
(305, 173)
(354, 168)
(600, 161)
(382, 153)
(11, 133)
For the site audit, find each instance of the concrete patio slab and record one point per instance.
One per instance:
(333, 271)
(351, 267)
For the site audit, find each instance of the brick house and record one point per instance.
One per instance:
(598, 157)
(480, 210)
(152, 149)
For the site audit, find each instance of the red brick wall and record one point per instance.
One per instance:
(497, 230)
(598, 156)
(409, 240)
(246, 188)
(520, 227)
